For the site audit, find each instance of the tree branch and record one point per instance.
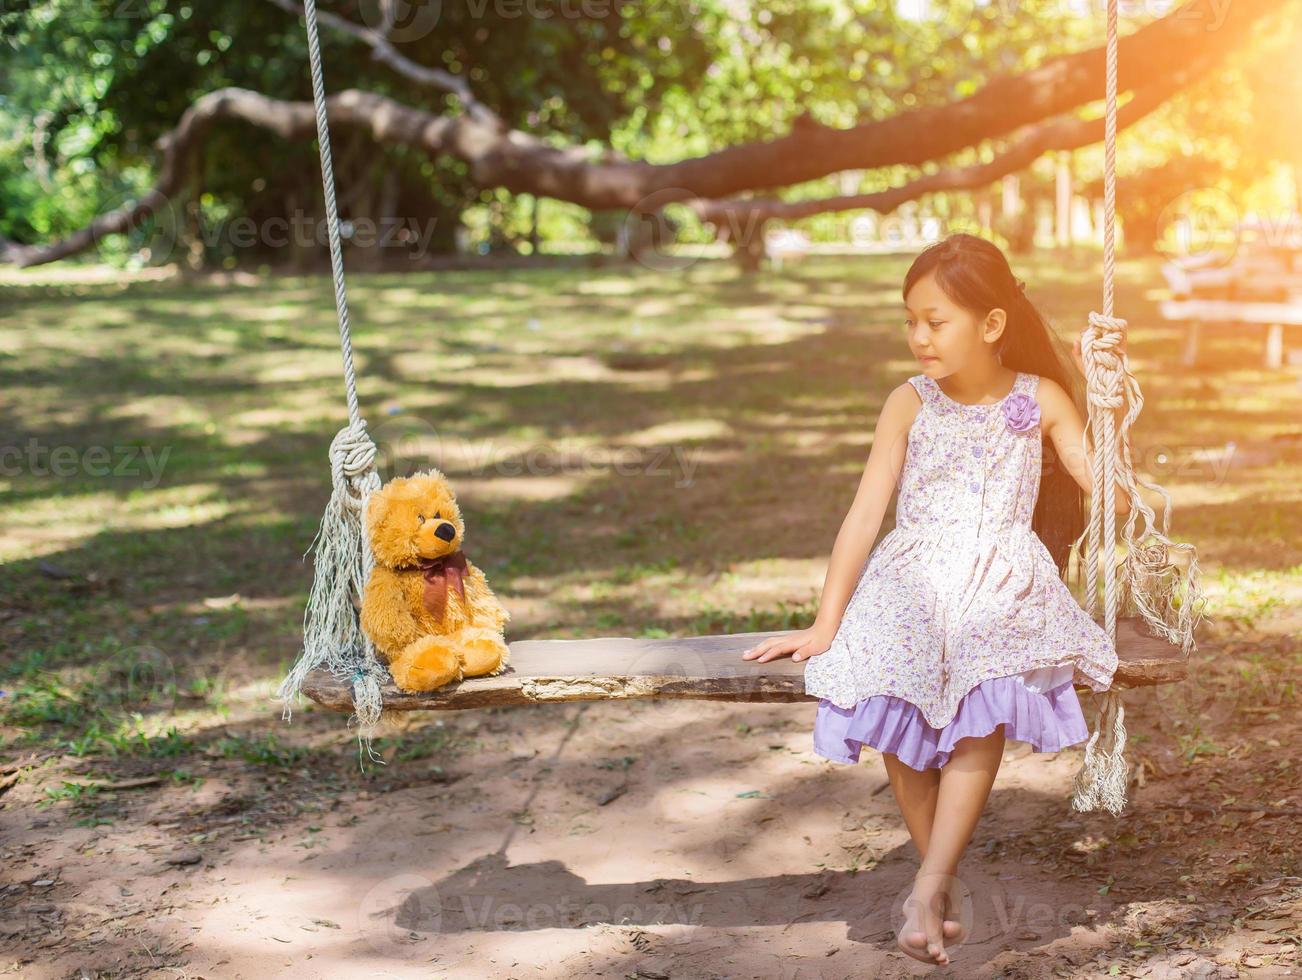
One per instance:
(498, 156)
(1063, 133)
(1003, 105)
(383, 51)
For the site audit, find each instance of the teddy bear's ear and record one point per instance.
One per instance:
(381, 502)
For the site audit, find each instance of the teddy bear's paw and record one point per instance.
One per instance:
(426, 664)
(483, 651)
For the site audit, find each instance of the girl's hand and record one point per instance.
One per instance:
(1076, 351)
(802, 644)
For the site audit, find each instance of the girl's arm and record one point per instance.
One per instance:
(1063, 424)
(859, 529)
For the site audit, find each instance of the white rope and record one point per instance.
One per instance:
(332, 638)
(332, 209)
(1165, 594)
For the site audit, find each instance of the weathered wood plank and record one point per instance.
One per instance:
(706, 668)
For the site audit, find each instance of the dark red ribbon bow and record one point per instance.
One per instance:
(437, 572)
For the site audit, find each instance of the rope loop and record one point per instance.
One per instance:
(1110, 331)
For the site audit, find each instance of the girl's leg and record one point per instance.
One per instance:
(916, 794)
(965, 783)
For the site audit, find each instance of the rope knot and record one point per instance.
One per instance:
(1101, 352)
(352, 451)
(352, 465)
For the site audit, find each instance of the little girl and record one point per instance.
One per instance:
(958, 631)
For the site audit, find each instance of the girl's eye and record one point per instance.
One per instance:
(935, 323)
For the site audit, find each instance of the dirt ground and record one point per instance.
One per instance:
(158, 818)
(660, 839)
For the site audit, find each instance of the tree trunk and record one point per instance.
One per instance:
(192, 235)
(748, 246)
(1062, 201)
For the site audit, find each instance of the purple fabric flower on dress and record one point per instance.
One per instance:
(1021, 411)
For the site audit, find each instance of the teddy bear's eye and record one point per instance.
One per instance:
(420, 518)
(438, 516)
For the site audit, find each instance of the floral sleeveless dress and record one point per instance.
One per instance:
(960, 621)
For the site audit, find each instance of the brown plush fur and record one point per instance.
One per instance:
(423, 653)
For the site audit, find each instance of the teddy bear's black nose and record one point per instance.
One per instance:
(445, 531)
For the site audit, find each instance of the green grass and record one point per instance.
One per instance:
(635, 453)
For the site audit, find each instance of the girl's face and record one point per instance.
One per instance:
(943, 336)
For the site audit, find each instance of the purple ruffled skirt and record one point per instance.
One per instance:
(1049, 721)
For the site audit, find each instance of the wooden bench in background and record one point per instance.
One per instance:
(1195, 312)
(1261, 284)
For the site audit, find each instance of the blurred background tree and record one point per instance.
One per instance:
(89, 86)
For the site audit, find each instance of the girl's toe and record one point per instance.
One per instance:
(914, 944)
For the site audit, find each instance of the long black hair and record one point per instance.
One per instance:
(975, 274)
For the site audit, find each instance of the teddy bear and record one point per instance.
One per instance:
(426, 607)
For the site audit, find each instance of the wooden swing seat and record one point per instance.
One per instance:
(704, 668)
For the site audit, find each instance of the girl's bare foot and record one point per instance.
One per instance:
(953, 912)
(924, 931)
(938, 903)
